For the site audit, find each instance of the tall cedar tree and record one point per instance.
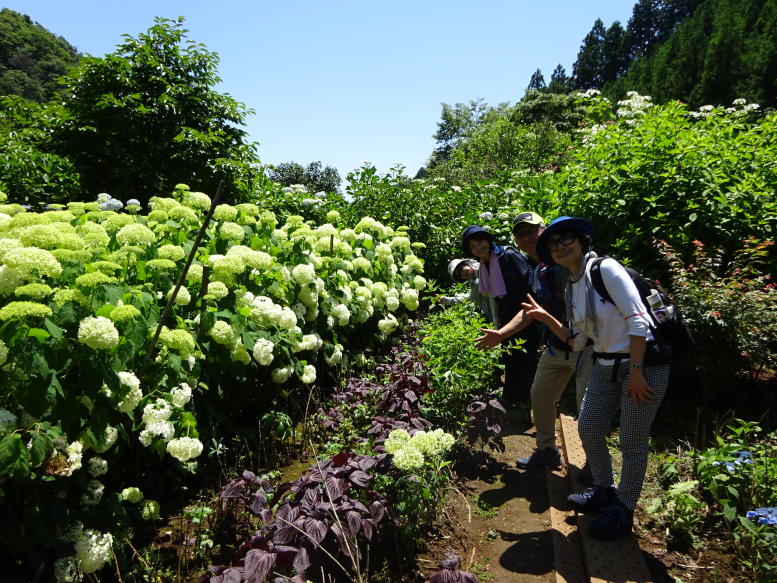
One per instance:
(589, 66)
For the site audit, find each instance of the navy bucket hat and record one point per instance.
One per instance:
(470, 232)
(561, 225)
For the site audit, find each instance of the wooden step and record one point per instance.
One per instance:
(618, 561)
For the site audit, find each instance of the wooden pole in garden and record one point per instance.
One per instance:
(181, 279)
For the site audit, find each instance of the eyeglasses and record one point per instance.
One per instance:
(563, 240)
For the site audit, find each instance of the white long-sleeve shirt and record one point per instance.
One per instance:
(614, 322)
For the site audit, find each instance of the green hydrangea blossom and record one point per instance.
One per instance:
(24, 310)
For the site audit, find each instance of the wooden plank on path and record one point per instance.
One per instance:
(618, 561)
(568, 554)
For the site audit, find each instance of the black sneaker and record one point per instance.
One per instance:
(586, 476)
(540, 458)
(615, 521)
(592, 500)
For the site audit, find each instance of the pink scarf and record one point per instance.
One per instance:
(491, 281)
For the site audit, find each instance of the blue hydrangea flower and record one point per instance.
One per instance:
(764, 516)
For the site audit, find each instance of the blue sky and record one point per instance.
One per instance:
(342, 81)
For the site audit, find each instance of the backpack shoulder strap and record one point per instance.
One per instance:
(597, 281)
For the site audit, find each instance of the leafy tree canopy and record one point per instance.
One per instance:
(313, 176)
(147, 116)
(31, 58)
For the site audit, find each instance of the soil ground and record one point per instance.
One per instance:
(499, 522)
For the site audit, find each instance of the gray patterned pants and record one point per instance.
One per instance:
(603, 398)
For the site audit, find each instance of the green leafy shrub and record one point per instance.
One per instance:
(664, 171)
(458, 372)
(731, 307)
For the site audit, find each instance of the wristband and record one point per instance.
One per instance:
(635, 366)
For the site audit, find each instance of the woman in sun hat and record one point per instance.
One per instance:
(620, 378)
(505, 275)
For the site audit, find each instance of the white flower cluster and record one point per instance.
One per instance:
(265, 312)
(97, 466)
(134, 393)
(93, 548)
(281, 374)
(75, 452)
(98, 332)
(303, 273)
(262, 351)
(308, 342)
(222, 333)
(181, 395)
(308, 374)
(110, 436)
(634, 105)
(388, 324)
(184, 448)
(93, 494)
(133, 495)
(409, 453)
(336, 357)
(155, 419)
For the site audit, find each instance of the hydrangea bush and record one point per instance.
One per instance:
(266, 306)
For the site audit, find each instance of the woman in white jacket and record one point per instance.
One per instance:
(620, 378)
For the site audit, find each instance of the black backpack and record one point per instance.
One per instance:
(671, 330)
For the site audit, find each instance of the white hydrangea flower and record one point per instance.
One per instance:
(336, 357)
(396, 440)
(184, 448)
(388, 324)
(419, 282)
(308, 374)
(408, 459)
(263, 351)
(181, 395)
(222, 333)
(303, 273)
(66, 570)
(132, 495)
(432, 443)
(134, 393)
(93, 494)
(135, 234)
(281, 375)
(287, 319)
(98, 332)
(217, 290)
(110, 436)
(182, 298)
(97, 466)
(93, 550)
(342, 313)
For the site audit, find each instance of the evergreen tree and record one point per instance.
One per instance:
(559, 81)
(614, 53)
(642, 28)
(537, 81)
(589, 68)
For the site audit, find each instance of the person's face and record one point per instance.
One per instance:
(526, 236)
(467, 272)
(479, 247)
(566, 250)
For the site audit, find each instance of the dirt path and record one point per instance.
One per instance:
(500, 522)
